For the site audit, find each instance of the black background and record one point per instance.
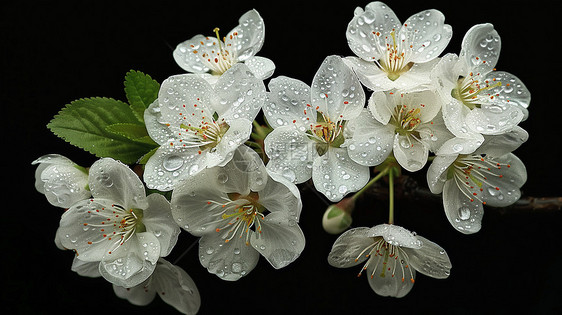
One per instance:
(56, 52)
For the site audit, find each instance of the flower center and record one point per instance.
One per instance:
(470, 90)
(117, 225)
(471, 172)
(242, 213)
(394, 62)
(387, 259)
(221, 59)
(206, 135)
(406, 122)
(326, 132)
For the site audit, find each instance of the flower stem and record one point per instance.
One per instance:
(391, 196)
(371, 182)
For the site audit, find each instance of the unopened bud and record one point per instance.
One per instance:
(337, 218)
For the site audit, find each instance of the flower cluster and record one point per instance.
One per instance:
(213, 170)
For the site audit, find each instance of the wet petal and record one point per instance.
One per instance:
(248, 36)
(261, 67)
(288, 103)
(427, 33)
(370, 142)
(390, 276)
(369, 74)
(228, 260)
(158, 220)
(280, 240)
(335, 174)
(351, 248)
(395, 235)
(336, 91)
(464, 215)
(410, 153)
(431, 259)
(290, 153)
(281, 196)
(502, 188)
(188, 53)
(176, 288)
(238, 132)
(437, 172)
(480, 48)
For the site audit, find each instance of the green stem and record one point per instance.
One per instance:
(391, 196)
(371, 182)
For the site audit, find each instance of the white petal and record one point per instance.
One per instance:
(505, 143)
(250, 35)
(437, 172)
(511, 93)
(369, 74)
(132, 263)
(245, 172)
(480, 48)
(351, 248)
(290, 153)
(187, 54)
(172, 163)
(282, 197)
(228, 260)
(427, 33)
(241, 94)
(434, 133)
(238, 132)
(464, 215)
(367, 30)
(431, 259)
(390, 277)
(493, 119)
(417, 78)
(336, 91)
(454, 116)
(141, 294)
(503, 189)
(176, 287)
(261, 67)
(86, 268)
(381, 106)
(458, 145)
(60, 180)
(395, 235)
(186, 99)
(445, 75)
(280, 240)
(370, 142)
(335, 175)
(113, 180)
(158, 220)
(410, 153)
(158, 131)
(288, 103)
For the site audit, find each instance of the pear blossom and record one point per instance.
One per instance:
(173, 285)
(392, 55)
(199, 126)
(391, 255)
(119, 227)
(408, 124)
(240, 212)
(471, 178)
(210, 57)
(477, 99)
(309, 127)
(62, 181)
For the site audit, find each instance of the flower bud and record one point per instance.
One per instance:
(337, 218)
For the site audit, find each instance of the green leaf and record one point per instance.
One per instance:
(104, 127)
(141, 90)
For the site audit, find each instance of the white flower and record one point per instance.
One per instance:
(121, 227)
(173, 285)
(393, 55)
(199, 126)
(392, 254)
(204, 54)
(228, 207)
(304, 145)
(408, 124)
(62, 181)
(469, 178)
(477, 99)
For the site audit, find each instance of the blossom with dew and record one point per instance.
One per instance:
(470, 178)
(391, 256)
(119, 227)
(62, 181)
(240, 212)
(309, 128)
(171, 283)
(392, 55)
(198, 125)
(211, 56)
(477, 99)
(408, 124)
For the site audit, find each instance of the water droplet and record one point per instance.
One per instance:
(172, 162)
(464, 213)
